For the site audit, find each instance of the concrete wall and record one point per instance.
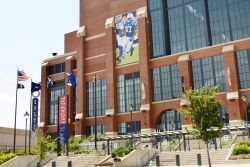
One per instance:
(136, 158)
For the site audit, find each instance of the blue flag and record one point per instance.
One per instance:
(35, 86)
(49, 83)
(71, 81)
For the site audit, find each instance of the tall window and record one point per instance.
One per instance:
(181, 25)
(243, 61)
(157, 27)
(100, 129)
(170, 120)
(208, 72)
(53, 94)
(219, 21)
(166, 82)
(128, 92)
(100, 98)
(125, 127)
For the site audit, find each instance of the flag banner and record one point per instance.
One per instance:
(71, 81)
(62, 116)
(183, 84)
(34, 113)
(22, 76)
(49, 83)
(20, 86)
(35, 86)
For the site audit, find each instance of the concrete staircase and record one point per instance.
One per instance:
(190, 157)
(83, 160)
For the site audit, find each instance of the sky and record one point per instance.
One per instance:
(30, 31)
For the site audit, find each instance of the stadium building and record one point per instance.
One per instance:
(134, 60)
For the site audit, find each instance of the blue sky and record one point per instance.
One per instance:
(30, 31)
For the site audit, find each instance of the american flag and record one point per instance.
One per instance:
(22, 76)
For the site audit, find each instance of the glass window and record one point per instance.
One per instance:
(209, 72)
(243, 61)
(169, 121)
(100, 100)
(166, 82)
(53, 94)
(157, 28)
(57, 68)
(100, 129)
(128, 92)
(125, 128)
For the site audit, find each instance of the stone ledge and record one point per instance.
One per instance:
(232, 95)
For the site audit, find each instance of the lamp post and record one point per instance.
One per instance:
(94, 107)
(131, 108)
(26, 116)
(244, 99)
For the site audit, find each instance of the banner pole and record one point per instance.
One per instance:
(30, 114)
(14, 144)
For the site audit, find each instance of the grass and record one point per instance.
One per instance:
(127, 58)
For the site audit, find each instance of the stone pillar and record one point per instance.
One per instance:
(185, 83)
(80, 127)
(110, 77)
(236, 116)
(69, 92)
(145, 72)
(44, 100)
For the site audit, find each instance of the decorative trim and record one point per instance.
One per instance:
(79, 116)
(236, 122)
(45, 64)
(184, 103)
(81, 32)
(141, 12)
(109, 22)
(110, 112)
(228, 48)
(145, 107)
(109, 134)
(93, 57)
(69, 58)
(232, 95)
(41, 124)
(60, 56)
(147, 131)
(183, 58)
(90, 73)
(95, 37)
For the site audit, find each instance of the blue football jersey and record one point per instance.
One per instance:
(130, 28)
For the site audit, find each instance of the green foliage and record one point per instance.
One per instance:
(43, 145)
(20, 151)
(84, 151)
(6, 157)
(121, 151)
(74, 144)
(1, 151)
(245, 143)
(241, 149)
(203, 111)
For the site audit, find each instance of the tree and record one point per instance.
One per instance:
(203, 111)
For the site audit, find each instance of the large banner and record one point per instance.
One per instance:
(62, 116)
(127, 48)
(34, 113)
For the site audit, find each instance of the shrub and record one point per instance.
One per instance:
(20, 151)
(241, 149)
(5, 157)
(74, 144)
(121, 151)
(245, 143)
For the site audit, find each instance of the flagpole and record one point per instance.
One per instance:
(14, 145)
(30, 113)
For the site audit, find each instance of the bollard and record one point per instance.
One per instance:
(54, 164)
(38, 164)
(69, 163)
(199, 159)
(177, 158)
(157, 159)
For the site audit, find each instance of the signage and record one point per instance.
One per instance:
(34, 113)
(62, 116)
